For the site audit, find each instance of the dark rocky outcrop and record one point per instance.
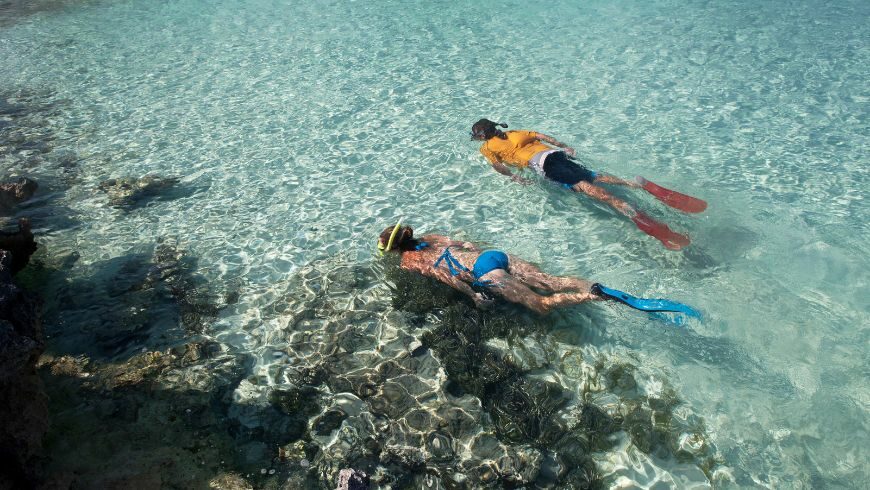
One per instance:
(23, 405)
(16, 191)
(19, 244)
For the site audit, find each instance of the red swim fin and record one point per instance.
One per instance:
(669, 238)
(673, 199)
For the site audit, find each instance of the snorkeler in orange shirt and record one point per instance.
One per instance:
(527, 149)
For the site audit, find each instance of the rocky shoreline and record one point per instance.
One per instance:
(23, 403)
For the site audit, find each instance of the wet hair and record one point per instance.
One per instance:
(404, 238)
(488, 129)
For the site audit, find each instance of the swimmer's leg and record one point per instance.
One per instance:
(673, 199)
(601, 178)
(598, 193)
(660, 231)
(513, 290)
(532, 276)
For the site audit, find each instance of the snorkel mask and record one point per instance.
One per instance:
(389, 245)
(480, 128)
(479, 134)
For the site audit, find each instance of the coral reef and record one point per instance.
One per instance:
(15, 11)
(354, 388)
(436, 393)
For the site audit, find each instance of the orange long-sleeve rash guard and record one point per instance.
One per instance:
(516, 150)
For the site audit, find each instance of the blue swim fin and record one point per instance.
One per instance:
(644, 304)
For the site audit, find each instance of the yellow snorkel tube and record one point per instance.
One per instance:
(392, 239)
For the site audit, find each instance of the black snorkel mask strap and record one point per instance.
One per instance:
(482, 133)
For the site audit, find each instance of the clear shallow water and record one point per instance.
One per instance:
(300, 131)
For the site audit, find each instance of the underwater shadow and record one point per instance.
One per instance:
(701, 261)
(174, 404)
(727, 356)
(132, 193)
(143, 300)
(46, 212)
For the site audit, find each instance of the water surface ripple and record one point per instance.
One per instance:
(297, 131)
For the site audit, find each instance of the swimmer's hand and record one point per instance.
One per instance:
(553, 141)
(482, 301)
(520, 180)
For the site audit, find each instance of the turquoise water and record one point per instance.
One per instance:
(299, 131)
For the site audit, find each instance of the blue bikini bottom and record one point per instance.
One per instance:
(489, 261)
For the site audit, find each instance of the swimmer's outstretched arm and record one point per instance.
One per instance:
(443, 241)
(504, 170)
(553, 141)
(500, 167)
(464, 245)
(456, 283)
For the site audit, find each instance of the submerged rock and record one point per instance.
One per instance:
(128, 191)
(16, 191)
(328, 422)
(197, 307)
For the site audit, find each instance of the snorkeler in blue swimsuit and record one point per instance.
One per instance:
(495, 273)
